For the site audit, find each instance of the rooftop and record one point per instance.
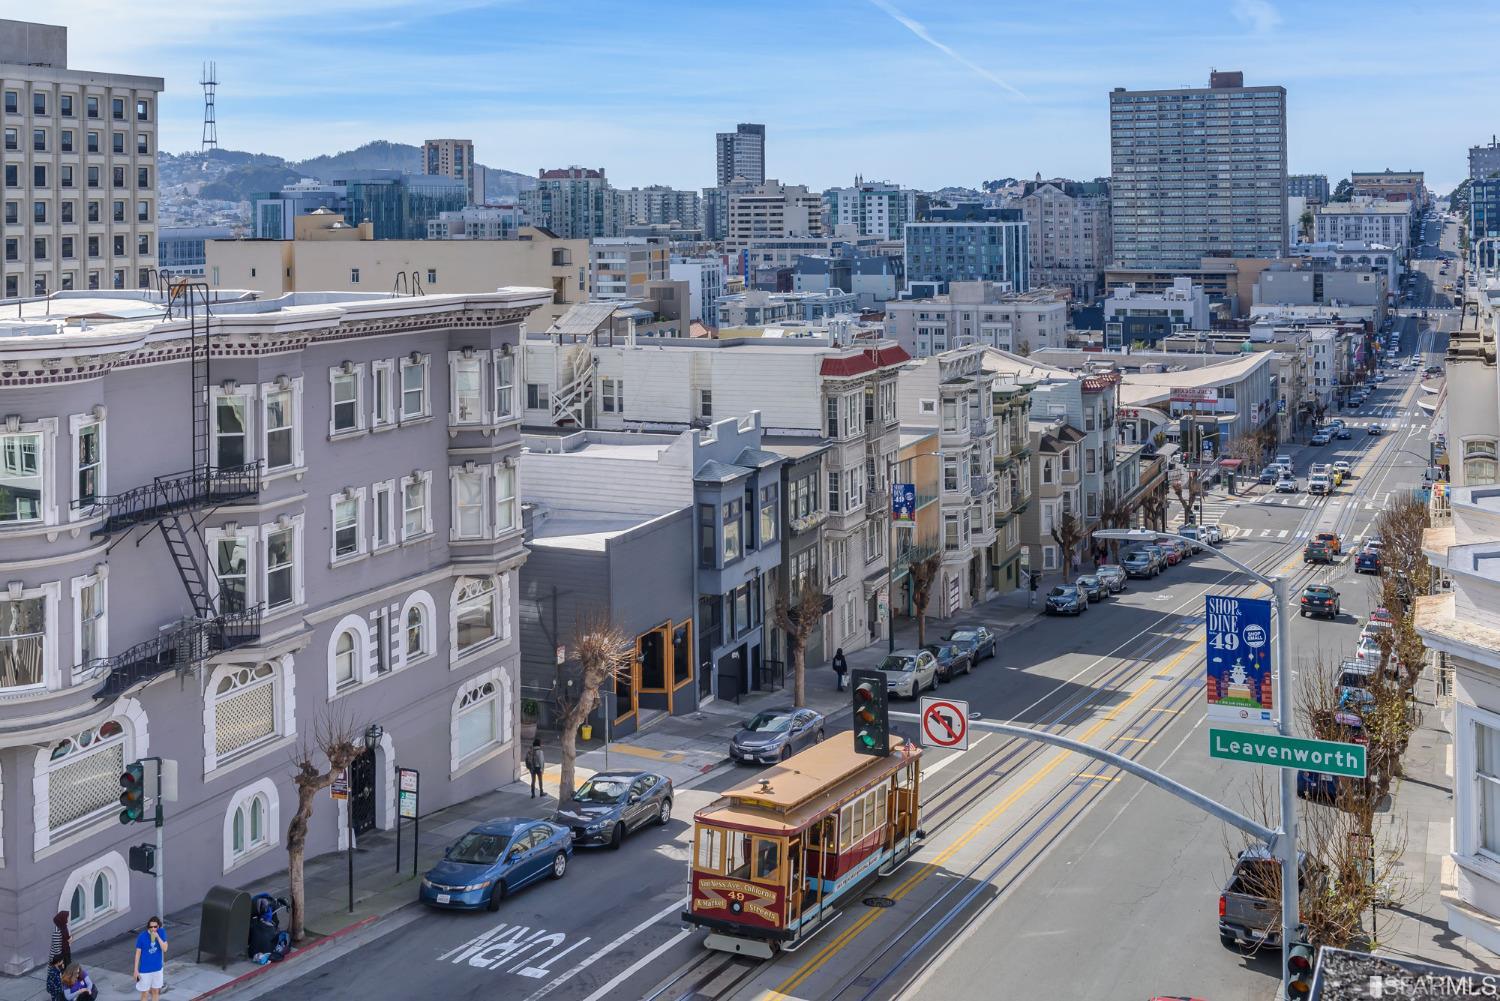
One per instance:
(589, 530)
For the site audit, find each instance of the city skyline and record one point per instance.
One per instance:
(989, 86)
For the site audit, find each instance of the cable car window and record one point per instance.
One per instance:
(857, 829)
(880, 806)
(767, 859)
(710, 849)
(845, 826)
(739, 855)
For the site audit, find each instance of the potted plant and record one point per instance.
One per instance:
(529, 713)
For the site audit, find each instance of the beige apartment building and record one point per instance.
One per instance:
(455, 158)
(326, 254)
(770, 211)
(79, 159)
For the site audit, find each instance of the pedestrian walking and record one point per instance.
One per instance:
(77, 986)
(62, 944)
(840, 666)
(55, 990)
(536, 763)
(150, 959)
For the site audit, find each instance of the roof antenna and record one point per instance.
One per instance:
(765, 786)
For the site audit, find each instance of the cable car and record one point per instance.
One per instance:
(773, 860)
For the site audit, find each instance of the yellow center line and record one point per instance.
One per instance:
(1099, 778)
(782, 992)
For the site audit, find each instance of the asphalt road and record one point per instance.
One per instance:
(1111, 894)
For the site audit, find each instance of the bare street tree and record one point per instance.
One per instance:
(334, 744)
(604, 652)
(798, 617)
(924, 574)
(1068, 533)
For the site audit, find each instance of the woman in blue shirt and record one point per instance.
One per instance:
(150, 959)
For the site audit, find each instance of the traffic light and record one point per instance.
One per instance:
(1299, 963)
(872, 723)
(143, 859)
(133, 793)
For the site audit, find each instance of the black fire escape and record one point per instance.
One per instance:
(177, 503)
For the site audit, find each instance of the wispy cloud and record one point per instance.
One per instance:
(1260, 16)
(918, 29)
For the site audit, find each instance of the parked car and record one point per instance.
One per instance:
(1336, 422)
(1368, 561)
(1286, 485)
(1250, 906)
(908, 672)
(1270, 474)
(611, 805)
(1093, 587)
(1202, 535)
(1114, 576)
(1321, 438)
(1332, 541)
(1320, 599)
(1212, 535)
(1317, 552)
(1170, 556)
(1066, 599)
(775, 734)
(952, 659)
(494, 860)
(977, 640)
(1380, 614)
(1140, 564)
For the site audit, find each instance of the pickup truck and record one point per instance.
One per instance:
(1250, 904)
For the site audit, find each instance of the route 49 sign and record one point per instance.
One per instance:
(945, 723)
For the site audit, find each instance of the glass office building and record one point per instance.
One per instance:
(969, 244)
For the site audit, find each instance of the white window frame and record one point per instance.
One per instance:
(77, 425)
(112, 867)
(355, 496)
(424, 478)
(495, 614)
(385, 531)
(47, 429)
(247, 396)
(50, 595)
(503, 710)
(507, 361)
(480, 413)
(507, 498)
(242, 800)
(382, 370)
(364, 661)
(248, 535)
(418, 601)
(294, 387)
(424, 363)
(295, 525)
(612, 395)
(286, 717)
(355, 375)
(132, 718)
(98, 579)
(458, 475)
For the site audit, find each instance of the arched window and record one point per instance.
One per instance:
(481, 718)
(416, 632)
(244, 709)
(251, 824)
(84, 774)
(95, 892)
(343, 660)
(474, 610)
(248, 827)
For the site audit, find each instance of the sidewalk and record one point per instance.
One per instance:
(687, 749)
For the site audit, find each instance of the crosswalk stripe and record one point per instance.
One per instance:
(1282, 534)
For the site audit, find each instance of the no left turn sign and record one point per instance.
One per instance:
(945, 723)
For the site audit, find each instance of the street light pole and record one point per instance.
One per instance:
(1286, 844)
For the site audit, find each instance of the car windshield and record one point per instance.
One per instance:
(1090, 581)
(598, 790)
(478, 848)
(894, 663)
(1137, 558)
(965, 636)
(770, 722)
(940, 649)
(1109, 568)
(1061, 592)
(1319, 592)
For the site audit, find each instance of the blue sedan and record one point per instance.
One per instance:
(495, 859)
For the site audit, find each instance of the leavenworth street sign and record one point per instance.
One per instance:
(1327, 756)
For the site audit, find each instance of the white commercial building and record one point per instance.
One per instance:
(1068, 230)
(1365, 219)
(987, 314)
(705, 278)
(1131, 316)
(871, 208)
(772, 210)
(1353, 255)
(489, 222)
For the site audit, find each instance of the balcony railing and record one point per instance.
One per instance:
(978, 485)
(185, 643)
(175, 493)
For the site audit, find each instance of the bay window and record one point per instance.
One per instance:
(20, 478)
(467, 379)
(229, 432)
(505, 386)
(505, 499)
(732, 513)
(23, 642)
(468, 505)
(231, 567)
(474, 611)
(281, 567)
(279, 425)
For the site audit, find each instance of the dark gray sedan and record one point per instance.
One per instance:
(611, 805)
(776, 734)
(1093, 585)
(978, 640)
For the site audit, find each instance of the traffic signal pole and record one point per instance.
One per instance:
(161, 849)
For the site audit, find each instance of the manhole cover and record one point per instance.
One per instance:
(879, 902)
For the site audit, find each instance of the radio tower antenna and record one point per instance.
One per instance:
(209, 80)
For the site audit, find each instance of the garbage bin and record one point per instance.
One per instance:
(224, 928)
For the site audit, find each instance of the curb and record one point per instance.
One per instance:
(249, 975)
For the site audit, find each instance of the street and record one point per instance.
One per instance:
(1045, 874)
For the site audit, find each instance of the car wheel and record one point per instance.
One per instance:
(559, 865)
(617, 834)
(968, 667)
(497, 894)
(664, 815)
(1302, 612)
(820, 736)
(786, 752)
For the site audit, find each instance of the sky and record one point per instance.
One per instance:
(922, 93)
